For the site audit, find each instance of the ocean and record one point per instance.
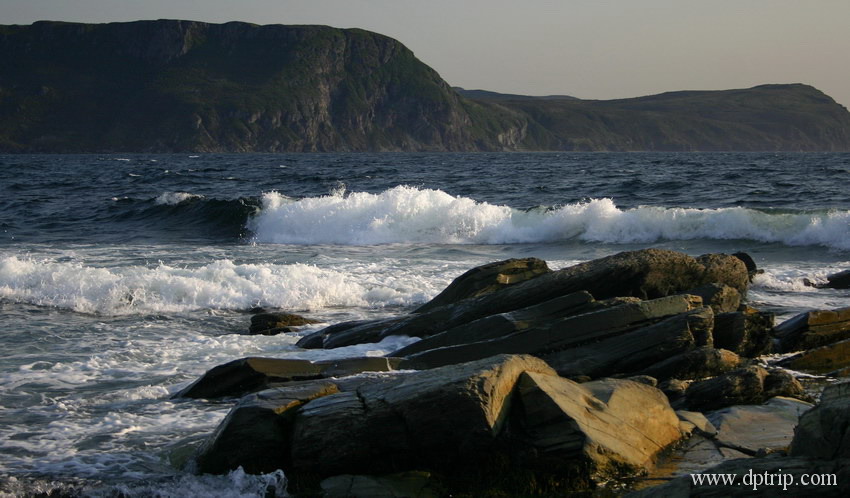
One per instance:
(125, 277)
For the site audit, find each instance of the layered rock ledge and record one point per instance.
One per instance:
(529, 381)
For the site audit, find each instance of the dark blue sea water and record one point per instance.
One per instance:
(124, 277)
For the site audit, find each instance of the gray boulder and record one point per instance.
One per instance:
(503, 324)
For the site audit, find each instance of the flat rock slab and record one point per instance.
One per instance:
(755, 427)
(246, 375)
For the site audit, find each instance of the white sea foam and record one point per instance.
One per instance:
(218, 285)
(413, 215)
(175, 198)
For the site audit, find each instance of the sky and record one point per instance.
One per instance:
(591, 49)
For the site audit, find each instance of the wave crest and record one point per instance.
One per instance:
(411, 215)
(219, 285)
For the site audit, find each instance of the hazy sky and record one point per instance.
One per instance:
(594, 49)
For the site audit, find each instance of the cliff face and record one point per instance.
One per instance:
(187, 86)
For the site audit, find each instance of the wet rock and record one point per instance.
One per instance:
(824, 431)
(696, 364)
(266, 323)
(246, 375)
(746, 332)
(347, 333)
(840, 280)
(260, 420)
(813, 329)
(486, 279)
(559, 335)
(750, 385)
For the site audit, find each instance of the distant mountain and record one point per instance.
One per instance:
(488, 95)
(167, 86)
(765, 118)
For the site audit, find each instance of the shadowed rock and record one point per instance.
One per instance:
(824, 431)
(645, 274)
(634, 351)
(486, 279)
(558, 335)
(503, 324)
(746, 332)
(415, 420)
(750, 385)
(254, 435)
(832, 359)
(699, 363)
(720, 297)
(247, 375)
(267, 323)
(813, 329)
(761, 428)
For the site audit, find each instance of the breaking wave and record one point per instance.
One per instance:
(219, 285)
(412, 215)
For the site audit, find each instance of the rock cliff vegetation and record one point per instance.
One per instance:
(169, 85)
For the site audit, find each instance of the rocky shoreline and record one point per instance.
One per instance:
(604, 378)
